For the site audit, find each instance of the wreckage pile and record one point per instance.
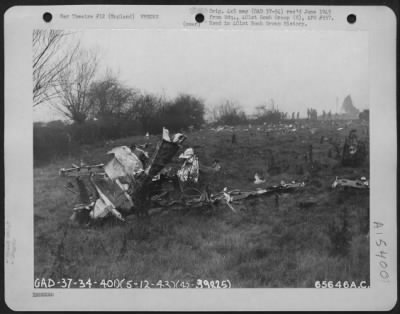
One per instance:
(354, 150)
(132, 183)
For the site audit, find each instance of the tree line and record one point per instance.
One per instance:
(69, 81)
(97, 106)
(100, 106)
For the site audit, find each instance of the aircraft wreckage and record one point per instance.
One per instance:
(134, 183)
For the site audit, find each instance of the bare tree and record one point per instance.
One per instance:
(50, 58)
(109, 97)
(229, 113)
(146, 108)
(73, 86)
(260, 110)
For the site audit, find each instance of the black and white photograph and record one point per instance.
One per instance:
(225, 151)
(167, 156)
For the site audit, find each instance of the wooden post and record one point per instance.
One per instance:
(233, 138)
(277, 200)
(310, 152)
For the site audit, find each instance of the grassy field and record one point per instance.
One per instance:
(316, 233)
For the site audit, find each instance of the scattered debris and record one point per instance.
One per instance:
(190, 168)
(125, 163)
(143, 146)
(140, 153)
(75, 168)
(126, 184)
(165, 135)
(228, 199)
(307, 203)
(103, 206)
(354, 150)
(215, 167)
(361, 183)
(258, 179)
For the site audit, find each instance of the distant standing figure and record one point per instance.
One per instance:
(233, 138)
(276, 200)
(310, 151)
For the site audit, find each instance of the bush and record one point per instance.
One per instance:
(84, 133)
(184, 111)
(271, 117)
(92, 131)
(155, 112)
(49, 142)
(148, 114)
(229, 113)
(54, 140)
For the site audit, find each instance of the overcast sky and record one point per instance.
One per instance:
(297, 69)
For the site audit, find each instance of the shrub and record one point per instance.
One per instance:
(183, 112)
(229, 113)
(85, 133)
(49, 142)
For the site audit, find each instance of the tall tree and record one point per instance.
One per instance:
(50, 58)
(74, 82)
(184, 111)
(108, 97)
(146, 108)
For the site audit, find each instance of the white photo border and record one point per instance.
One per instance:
(378, 21)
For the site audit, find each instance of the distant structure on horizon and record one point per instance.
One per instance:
(349, 111)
